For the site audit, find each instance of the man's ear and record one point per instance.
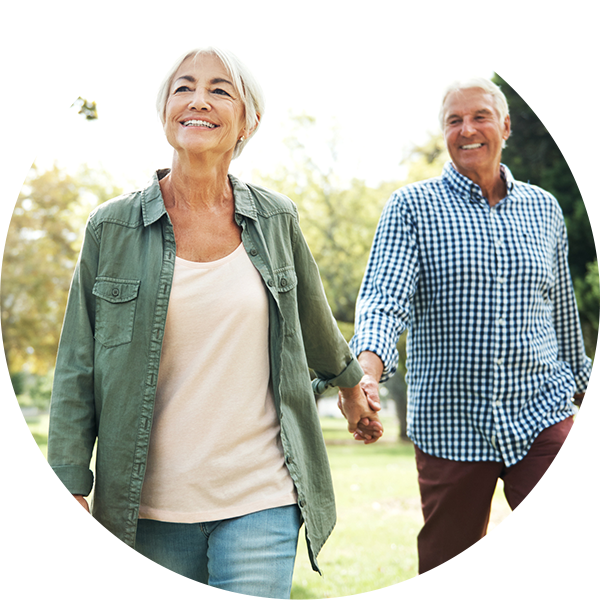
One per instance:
(506, 133)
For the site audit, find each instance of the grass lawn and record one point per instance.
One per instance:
(370, 556)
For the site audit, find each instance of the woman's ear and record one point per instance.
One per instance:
(249, 132)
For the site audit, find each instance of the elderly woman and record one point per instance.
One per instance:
(195, 313)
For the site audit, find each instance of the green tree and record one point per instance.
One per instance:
(337, 219)
(552, 84)
(42, 245)
(54, 50)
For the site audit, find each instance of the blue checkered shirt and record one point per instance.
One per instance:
(494, 345)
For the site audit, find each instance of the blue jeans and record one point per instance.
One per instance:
(253, 554)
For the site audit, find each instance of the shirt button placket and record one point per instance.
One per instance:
(499, 314)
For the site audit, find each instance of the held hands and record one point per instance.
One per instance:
(359, 405)
(71, 523)
(589, 443)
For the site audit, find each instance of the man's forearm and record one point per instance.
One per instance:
(371, 364)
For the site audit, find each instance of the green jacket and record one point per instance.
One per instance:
(110, 346)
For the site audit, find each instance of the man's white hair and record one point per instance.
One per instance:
(500, 103)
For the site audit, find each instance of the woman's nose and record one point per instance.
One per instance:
(199, 101)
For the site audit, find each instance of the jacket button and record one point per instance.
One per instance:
(253, 252)
(288, 460)
(270, 283)
(115, 292)
(283, 281)
(301, 503)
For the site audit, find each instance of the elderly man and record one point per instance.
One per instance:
(474, 265)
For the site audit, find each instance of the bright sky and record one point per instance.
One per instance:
(373, 70)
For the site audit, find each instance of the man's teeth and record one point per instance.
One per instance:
(471, 146)
(195, 123)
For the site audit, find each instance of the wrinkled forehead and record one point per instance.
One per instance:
(469, 100)
(202, 60)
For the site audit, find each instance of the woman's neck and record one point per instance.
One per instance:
(197, 185)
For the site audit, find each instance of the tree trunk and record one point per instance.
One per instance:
(396, 387)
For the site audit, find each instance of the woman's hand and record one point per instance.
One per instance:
(71, 523)
(360, 410)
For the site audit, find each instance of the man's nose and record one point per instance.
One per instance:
(468, 127)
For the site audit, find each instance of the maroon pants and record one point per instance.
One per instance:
(543, 493)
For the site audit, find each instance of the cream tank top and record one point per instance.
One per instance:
(215, 449)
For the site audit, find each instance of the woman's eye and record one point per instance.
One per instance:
(182, 88)
(221, 92)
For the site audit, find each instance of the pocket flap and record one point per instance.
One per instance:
(116, 290)
(285, 279)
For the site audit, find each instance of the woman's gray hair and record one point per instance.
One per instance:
(244, 83)
(481, 83)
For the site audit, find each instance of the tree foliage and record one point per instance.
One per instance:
(42, 245)
(337, 220)
(54, 50)
(552, 84)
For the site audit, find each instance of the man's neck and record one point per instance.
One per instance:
(492, 184)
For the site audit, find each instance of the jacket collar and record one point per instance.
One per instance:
(153, 205)
(244, 203)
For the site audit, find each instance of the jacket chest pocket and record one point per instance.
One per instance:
(116, 301)
(286, 284)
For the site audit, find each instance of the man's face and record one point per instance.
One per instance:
(474, 133)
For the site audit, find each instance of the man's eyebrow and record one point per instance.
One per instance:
(481, 111)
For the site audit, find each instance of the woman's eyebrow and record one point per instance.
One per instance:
(187, 78)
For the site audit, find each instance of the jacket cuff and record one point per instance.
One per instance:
(349, 377)
(78, 480)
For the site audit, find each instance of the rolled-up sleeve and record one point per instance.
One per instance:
(327, 352)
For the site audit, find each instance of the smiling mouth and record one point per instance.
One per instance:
(198, 123)
(471, 146)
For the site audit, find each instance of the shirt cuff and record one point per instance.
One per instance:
(372, 343)
(77, 479)
(349, 377)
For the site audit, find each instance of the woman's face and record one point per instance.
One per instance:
(204, 112)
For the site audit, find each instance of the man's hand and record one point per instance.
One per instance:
(361, 414)
(589, 443)
(71, 523)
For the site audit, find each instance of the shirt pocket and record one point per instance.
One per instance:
(116, 301)
(534, 263)
(286, 284)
